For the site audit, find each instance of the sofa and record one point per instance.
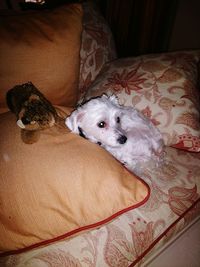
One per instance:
(65, 201)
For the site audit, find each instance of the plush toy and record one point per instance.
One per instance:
(33, 111)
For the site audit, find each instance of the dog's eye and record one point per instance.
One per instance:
(118, 120)
(25, 120)
(101, 124)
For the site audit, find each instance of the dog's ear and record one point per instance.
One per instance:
(74, 120)
(105, 96)
(114, 99)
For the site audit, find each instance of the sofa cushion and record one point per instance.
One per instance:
(42, 47)
(164, 87)
(57, 187)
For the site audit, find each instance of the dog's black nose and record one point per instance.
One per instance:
(122, 139)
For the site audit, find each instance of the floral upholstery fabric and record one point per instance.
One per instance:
(164, 87)
(173, 204)
(97, 46)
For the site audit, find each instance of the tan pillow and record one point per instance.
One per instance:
(42, 47)
(57, 187)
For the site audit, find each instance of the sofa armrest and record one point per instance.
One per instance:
(97, 46)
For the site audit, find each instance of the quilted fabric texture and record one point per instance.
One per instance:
(42, 47)
(97, 46)
(164, 87)
(59, 186)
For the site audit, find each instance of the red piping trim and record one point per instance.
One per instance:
(163, 234)
(188, 150)
(87, 227)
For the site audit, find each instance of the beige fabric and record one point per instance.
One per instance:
(59, 184)
(42, 47)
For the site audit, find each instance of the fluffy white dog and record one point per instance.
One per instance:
(123, 131)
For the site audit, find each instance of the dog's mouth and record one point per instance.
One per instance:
(81, 133)
(121, 139)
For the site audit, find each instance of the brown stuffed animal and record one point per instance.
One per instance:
(34, 112)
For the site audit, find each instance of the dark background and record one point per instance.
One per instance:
(144, 26)
(151, 26)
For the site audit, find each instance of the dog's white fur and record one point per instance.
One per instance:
(123, 131)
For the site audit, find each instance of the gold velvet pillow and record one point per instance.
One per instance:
(57, 187)
(42, 47)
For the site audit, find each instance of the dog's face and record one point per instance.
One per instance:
(99, 121)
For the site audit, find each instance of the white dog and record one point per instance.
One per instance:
(123, 131)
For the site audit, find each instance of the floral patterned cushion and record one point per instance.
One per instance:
(164, 87)
(97, 46)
